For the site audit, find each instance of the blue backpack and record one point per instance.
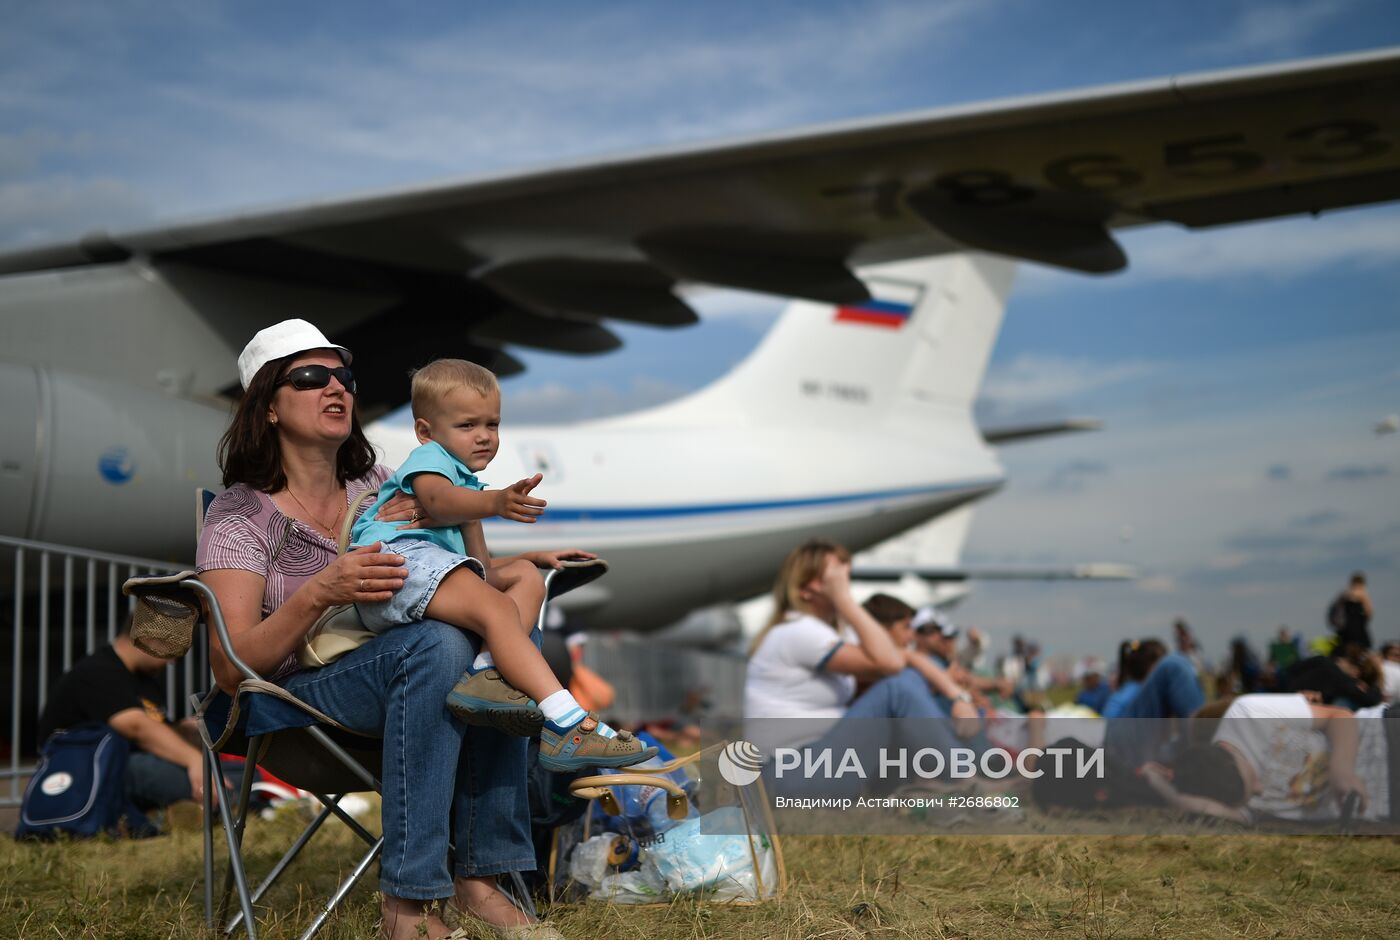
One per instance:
(79, 787)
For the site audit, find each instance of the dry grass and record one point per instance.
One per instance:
(840, 887)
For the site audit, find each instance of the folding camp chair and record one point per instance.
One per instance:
(324, 758)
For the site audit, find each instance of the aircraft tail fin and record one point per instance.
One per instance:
(921, 343)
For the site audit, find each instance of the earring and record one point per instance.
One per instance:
(273, 420)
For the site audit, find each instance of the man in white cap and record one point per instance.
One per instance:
(935, 634)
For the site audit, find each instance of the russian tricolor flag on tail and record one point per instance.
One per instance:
(889, 307)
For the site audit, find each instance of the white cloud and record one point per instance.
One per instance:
(22, 152)
(63, 207)
(1215, 537)
(471, 98)
(555, 403)
(1033, 379)
(232, 120)
(1278, 250)
(1275, 27)
(760, 310)
(1229, 561)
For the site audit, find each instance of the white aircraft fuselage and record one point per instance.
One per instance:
(834, 426)
(689, 517)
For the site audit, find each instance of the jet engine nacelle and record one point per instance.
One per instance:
(89, 462)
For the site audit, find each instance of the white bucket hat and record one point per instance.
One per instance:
(282, 339)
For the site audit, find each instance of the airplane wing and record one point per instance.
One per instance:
(1025, 432)
(539, 258)
(1098, 571)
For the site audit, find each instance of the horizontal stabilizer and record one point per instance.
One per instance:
(1024, 432)
(1103, 571)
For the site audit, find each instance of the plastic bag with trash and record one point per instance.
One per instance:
(721, 867)
(687, 862)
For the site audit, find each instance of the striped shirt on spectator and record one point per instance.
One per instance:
(244, 529)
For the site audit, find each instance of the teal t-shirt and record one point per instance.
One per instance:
(431, 457)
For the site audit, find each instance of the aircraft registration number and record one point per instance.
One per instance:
(1216, 157)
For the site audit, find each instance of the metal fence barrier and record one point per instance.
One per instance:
(655, 681)
(57, 604)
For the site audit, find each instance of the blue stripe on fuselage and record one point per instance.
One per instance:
(617, 514)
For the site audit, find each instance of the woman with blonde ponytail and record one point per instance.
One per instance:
(804, 564)
(803, 670)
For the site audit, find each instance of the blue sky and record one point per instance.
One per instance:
(1239, 370)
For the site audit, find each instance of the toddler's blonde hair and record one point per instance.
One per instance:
(433, 382)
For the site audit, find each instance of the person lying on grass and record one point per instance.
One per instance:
(1282, 756)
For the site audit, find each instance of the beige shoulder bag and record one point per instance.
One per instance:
(338, 630)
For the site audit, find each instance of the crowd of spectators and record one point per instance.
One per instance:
(1297, 733)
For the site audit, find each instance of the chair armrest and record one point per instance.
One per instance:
(167, 613)
(184, 595)
(573, 574)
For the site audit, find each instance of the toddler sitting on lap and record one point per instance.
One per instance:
(452, 578)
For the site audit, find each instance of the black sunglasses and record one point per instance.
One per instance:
(306, 378)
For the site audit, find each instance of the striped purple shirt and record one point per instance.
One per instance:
(244, 529)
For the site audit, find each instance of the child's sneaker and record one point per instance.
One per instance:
(590, 743)
(486, 699)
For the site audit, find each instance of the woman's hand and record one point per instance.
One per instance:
(360, 575)
(835, 581)
(555, 558)
(405, 508)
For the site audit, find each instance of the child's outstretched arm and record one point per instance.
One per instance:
(454, 505)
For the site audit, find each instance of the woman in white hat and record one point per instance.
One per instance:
(293, 458)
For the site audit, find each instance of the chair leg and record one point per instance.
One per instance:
(345, 887)
(235, 857)
(332, 805)
(245, 791)
(221, 912)
(282, 864)
(208, 842)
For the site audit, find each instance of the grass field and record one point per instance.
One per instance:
(839, 887)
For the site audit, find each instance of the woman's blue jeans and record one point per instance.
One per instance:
(897, 712)
(1145, 730)
(441, 779)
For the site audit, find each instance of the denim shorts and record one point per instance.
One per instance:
(427, 565)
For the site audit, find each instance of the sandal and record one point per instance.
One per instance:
(582, 747)
(486, 699)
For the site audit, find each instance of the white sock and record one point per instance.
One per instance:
(562, 712)
(559, 708)
(483, 661)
